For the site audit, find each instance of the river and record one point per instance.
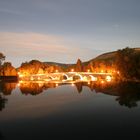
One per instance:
(37, 110)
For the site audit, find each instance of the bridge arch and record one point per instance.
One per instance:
(93, 78)
(51, 77)
(65, 75)
(79, 75)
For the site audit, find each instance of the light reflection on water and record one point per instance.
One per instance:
(127, 93)
(77, 107)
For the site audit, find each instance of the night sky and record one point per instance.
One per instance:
(65, 30)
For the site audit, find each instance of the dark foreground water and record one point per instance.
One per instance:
(69, 111)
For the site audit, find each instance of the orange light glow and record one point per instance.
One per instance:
(20, 75)
(88, 82)
(108, 78)
(20, 81)
(40, 84)
(102, 82)
(72, 70)
(31, 78)
(72, 84)
(56, 70)
(94, 78)
(102, 71)
(18, 84)
(38, 78)
(88, 70)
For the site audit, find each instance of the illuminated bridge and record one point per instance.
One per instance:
(68, 76)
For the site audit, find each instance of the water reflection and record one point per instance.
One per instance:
(128, 93)
(3, 101)
(7, 87)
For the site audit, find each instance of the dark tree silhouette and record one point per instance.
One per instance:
(2, 102)
(79, 66)
(128, 63)
(2, 58)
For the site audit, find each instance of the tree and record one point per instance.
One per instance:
(2, 58)
(79, 66)
(7, 70)
(128, 63)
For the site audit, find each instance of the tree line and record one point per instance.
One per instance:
(126, 61)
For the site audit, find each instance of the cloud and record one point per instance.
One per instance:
(25, 43)
(21, 46)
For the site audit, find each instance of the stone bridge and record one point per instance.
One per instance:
(68, 76)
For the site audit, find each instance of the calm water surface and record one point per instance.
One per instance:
(69, 111)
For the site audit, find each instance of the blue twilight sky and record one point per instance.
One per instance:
(64, 30)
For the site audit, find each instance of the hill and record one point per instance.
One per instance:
(58, 64)
(109, 56)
